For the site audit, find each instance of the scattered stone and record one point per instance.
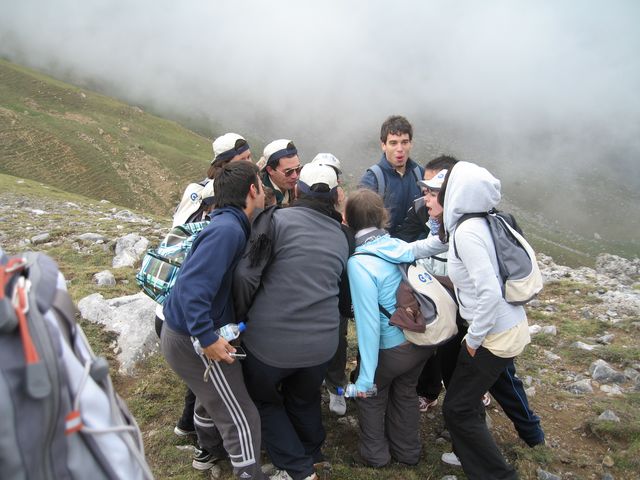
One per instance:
(441, 441)
(602, 372)
(632, 374)
(531, 392)
(449, 477)
(580, 387)
(535, 303)
(612, 390)
(528, 380)
(609, 416)
(607, 461)
(583, 346)
(551, 356)
(534, 329)
(605, 339)
(104, 279)
(607, 476)
(129, 249)
(40, 238)
(37, 211)
(91, 237)
(131, 317)
(544, 475)
(586, 313)
(550, 308)
(550, 330)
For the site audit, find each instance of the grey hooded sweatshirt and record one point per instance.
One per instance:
(474, 272)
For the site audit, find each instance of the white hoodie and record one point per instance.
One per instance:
(474, 270)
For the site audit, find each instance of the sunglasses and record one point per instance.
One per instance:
(287, 172)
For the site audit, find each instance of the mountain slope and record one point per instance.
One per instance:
(89, 144)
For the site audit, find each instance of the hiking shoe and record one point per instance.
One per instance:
(424, 403)
(182, 432)
(203, 460)
(337, 404)
(486, 399)
(451, 458)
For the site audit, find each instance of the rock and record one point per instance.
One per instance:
(131, 317)
(551, 356)
(607, 461)
(608, 416)
(550, 330)
(534, 329)
(602, 372)
(605, 339)
(129, 249)
(586, 313)
(632, 374)
(612, 390)
(544, 475)
(104, 279)
(583, 346)
(531, 392)
(449, 477)
(128, 216)
(91, 237)
(40, 238)
(349, 420)
(607, 476)
(580, 387)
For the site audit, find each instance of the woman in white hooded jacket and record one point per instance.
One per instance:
(498, 331)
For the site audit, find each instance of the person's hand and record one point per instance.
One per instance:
(219, 351)
(472, 351)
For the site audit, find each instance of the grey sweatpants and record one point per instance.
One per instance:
(390, 421)
(224, 397)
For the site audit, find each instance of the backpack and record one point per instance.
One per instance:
(425, 309)
(382, 183)
(195, 200)
(161, 266)
(517, 264)
(60, 417)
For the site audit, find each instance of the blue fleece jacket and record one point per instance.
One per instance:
(374, 280)
(200, 301)
(400, 190)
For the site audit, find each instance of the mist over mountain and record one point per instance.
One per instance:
(543, 93)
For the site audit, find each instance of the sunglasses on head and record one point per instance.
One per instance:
(287, 172)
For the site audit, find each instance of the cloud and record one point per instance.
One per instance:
(513, 84)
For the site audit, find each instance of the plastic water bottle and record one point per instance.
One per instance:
(231, 331)
(351, 391)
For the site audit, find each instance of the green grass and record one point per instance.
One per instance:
(90, 144)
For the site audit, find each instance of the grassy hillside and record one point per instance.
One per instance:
(93, 145)
(578, 446)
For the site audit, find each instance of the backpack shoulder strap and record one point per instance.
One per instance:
(379, 174)
(464, 218)
(384, 311)
(417, 173)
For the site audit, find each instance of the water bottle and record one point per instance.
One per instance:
(231, 331)
(351, 391)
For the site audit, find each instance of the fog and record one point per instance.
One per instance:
(545, 92)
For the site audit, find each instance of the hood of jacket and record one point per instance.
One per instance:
(386, 247)
(470, 189)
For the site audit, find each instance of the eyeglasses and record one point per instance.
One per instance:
(427, 191)
(287, 172)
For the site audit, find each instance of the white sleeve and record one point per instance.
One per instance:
(428, 247)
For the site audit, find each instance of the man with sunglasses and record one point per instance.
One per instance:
(281, 169)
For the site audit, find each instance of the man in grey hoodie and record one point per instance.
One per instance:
(293, 321)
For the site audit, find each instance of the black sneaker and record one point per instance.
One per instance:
(203, 460)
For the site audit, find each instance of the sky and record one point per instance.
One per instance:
(536, 90)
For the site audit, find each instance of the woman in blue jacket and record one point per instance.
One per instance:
(389, 421)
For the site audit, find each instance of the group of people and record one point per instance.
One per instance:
(295, 276)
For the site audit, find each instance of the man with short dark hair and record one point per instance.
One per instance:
(201, 302)
(281, 169)
(394, 177)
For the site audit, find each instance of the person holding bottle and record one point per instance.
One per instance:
(389, 421)
(199, 304)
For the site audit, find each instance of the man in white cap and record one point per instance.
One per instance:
(294, 320)
(281, 169)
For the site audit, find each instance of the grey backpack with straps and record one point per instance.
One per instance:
(60, 417)
(517, 264)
